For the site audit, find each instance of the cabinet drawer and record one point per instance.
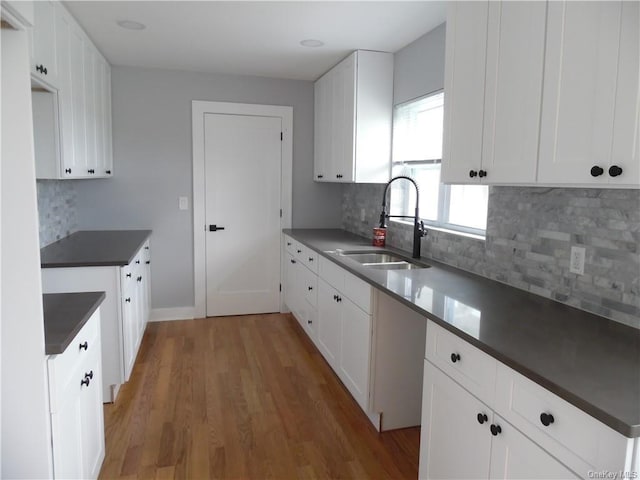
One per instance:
(576, 439)
(66, 370)
(310, 286)
(358, 291)
(470, 367)
(331, 273)
(289, 244)
(310, 259)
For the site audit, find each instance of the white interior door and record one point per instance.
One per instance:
(242, 156)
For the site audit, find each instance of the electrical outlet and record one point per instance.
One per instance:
(183, 203)
(363, 214)
(576, 261)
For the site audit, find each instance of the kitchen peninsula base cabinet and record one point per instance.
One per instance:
(481, 419)
(75, 396)
(125, 310)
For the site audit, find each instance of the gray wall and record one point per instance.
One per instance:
(530, 231)
(56, 209)
(152, 165)
(419, 67)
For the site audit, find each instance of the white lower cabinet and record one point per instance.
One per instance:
(75, 391)
(518, 430)
(125, 310)
(329, 324)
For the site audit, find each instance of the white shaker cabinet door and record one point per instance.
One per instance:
(355, 346)
(626, 128)
(464, 83)
(514, 456)
(44, 54)
(580, 79)
(453, 444)
(329, 324)
(513, 94)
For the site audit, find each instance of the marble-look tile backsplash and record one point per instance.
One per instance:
(530, 232)
(56, 209)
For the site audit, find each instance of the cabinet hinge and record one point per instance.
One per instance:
(280, 136)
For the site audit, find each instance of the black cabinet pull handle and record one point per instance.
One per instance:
(41, 68)
(148, 262)
(339, 175)
(320, 176)
(128, 275)
(482, 173)
(128, 300)
(546, 419)
(309, 322)
(293, 261)
(91, 171)
(482, 417)
(310, 288)
(215, 228)
(495, 430)
(138, 262)
(139, 279)
(85, 381)
(473, 173)
(335, 297)
(67, 170)
(339, 299)
(108, 172)
(288, 244)
(299, 251)
(84, 346)
(89, 375)
(596, 171)
(311, 259)
(455, 357)
(615, 170)
(146, 247)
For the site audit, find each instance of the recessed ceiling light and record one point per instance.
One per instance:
(131, 25)
(310, 42)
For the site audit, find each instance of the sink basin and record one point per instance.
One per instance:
(382, 260)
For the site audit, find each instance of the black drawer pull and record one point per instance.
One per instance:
(128, 275)
(85, 381)
(310, 288)
(128, 300)
(455, 357)
(84, 346)
(482, 417)
(139, 278)
(546, 419)
(89, 375)
(495, 430)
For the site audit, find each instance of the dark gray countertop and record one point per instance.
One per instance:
(94, 248)
(64, 316)
(590, 361)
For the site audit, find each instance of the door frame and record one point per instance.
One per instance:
(198, 109)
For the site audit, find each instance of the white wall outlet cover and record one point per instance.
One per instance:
(183, 203)
(576, 260)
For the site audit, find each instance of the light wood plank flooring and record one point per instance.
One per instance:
(243, 397)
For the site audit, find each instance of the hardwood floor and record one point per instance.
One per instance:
(243, 397)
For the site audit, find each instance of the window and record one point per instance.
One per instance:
(417, 153)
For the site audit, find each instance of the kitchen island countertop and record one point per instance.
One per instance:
(589, 361)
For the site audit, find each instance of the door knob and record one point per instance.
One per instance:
(215, 228)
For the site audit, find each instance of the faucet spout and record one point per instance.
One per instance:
(419, 229)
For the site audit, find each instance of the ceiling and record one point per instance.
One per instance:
(252, 38)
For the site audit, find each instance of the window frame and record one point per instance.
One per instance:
(444, 194)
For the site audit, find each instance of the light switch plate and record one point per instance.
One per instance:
(183, 203)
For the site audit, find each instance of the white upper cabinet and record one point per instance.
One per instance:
(353, 115)
(72, 119)
(513, 91)
(589, 129)
(493, 91)
(464, 77)
(542, 93)
(44, 61)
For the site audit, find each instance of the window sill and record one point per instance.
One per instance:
(450, 231)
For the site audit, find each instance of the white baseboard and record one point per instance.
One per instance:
(177, 313)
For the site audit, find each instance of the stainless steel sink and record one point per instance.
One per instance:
(382, 260)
